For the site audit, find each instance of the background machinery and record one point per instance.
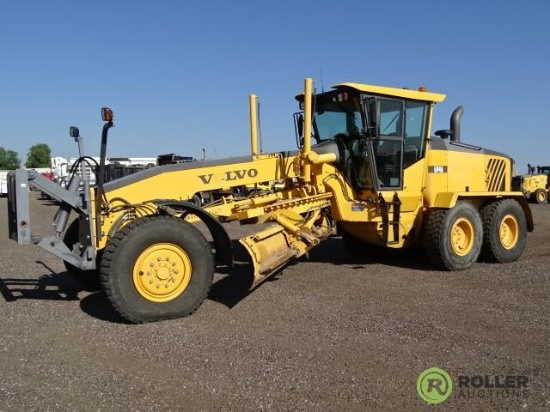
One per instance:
(4, 182)
(534, 185)
(366, 165)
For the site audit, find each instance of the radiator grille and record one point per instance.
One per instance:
(496, 175)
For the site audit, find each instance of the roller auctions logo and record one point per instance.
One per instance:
(434, 385)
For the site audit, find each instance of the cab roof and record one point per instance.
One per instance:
(393, 92)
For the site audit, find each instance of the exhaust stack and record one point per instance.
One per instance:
(455, 123)
(253, 102)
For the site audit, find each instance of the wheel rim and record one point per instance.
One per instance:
(542, 197)
(462, 236)
(508, 231)
(162, 272)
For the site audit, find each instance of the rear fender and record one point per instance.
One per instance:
(527, 210)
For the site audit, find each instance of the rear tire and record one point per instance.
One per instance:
(504, 231)
(454, 237)
(88, 280)
(540, 196)
(157, 268)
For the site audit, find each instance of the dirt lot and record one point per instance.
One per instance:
(329, 333)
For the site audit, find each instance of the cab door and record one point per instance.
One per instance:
(414, 150)
(399, 165)
(399, 150)
(388, 145)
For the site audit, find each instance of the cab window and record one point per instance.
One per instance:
(391, 113)
(337, 118)
(389, 145)
(415, 130)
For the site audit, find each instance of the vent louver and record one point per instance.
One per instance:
(496, 169)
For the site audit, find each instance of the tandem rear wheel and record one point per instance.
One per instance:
(454, 236)
(504, 231)
(457, 237)
(157, 268)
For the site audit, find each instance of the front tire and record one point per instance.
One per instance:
(196, 200)
(504, 231)
(157, 268)
(454, 236)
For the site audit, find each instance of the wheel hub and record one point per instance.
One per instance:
(162, 272)
(508, 231)
(462, 237)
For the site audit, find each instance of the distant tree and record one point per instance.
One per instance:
(9, 160)
(39, 156)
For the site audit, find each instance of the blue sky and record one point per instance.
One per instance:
(178, 74)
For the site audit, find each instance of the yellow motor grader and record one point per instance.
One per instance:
(366, 168)
(535, 186)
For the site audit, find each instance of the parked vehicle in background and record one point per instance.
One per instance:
(4, 182)
(535, 186)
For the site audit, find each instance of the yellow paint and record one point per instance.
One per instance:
(316, 158)
(253, 101)
(162, 272)
(313, 184)
(508, 232)
(533, 182)
(306, 148)
(182, 185)
(462, 236)
(394, 92)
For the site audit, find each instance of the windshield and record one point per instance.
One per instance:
(337, 118)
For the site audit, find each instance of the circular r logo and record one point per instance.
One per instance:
(434, 385)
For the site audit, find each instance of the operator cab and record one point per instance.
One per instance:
(379, 131)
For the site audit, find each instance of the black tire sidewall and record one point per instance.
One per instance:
(495, 251)
(537, 193)
(196, 200)
(451, 260)
(117, 278)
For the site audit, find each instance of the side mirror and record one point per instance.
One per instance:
(74, 132)
(106, 114)
(300, 125)
(299, 128)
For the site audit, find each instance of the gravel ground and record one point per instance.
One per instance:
(329, 333)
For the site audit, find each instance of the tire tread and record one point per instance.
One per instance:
(113, 294)
(491, 250)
